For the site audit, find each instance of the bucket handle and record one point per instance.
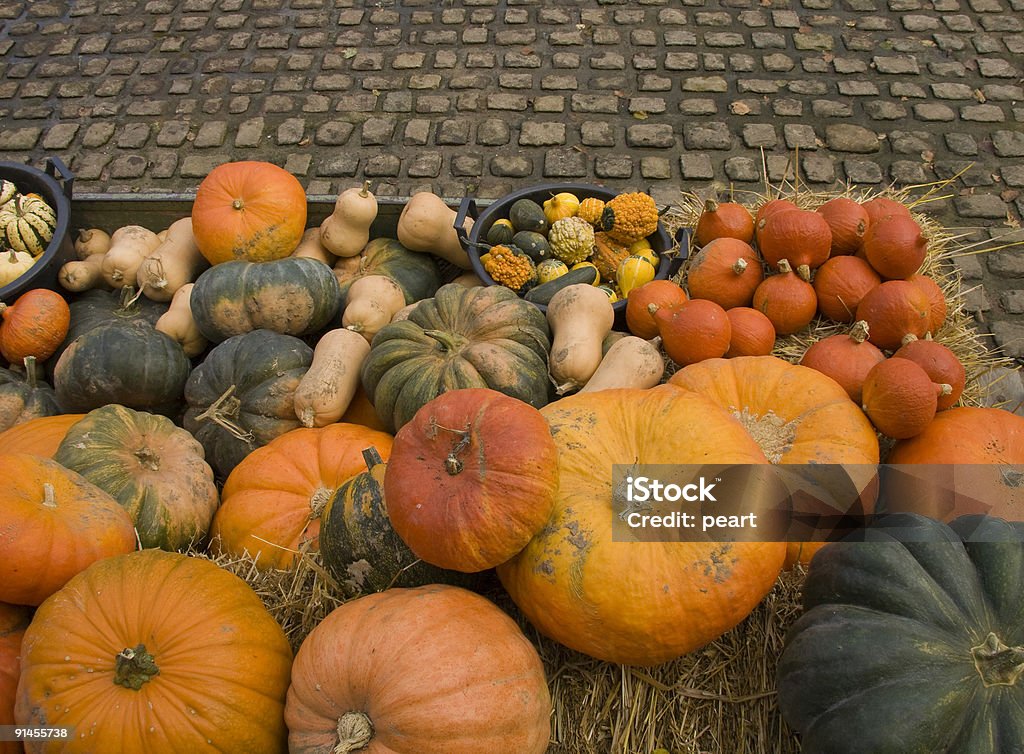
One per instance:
(683, 236)
(467, 208)
(54, 167)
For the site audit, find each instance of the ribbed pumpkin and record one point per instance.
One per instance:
(936, 297)
(910, 641)
(968, 460)
(14, 620)
(848, 221)
(726, 271)
(895, 247)
(417, 274)
(845, 357)
(645, 301)
(158, 652)
(646, 602)
(34, 325)
(273, 501)
(53, 523)
(242, 395)
(696, 330)
(800, 236)
(840, 284)
(786, 299)
(723, 220)
(154, 469)
(893, 310)
(38, 437)
(472, 478)
(461, 338)
(608, 255)
(883, 206)
(249, 210)
(751, 333)
(294, 296)
(23, 396)
(939, 363)
(899, 397)
(27, 223)
(434, 670)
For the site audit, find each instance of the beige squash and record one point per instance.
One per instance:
(326, 390)
(129, 247)
(630, 362)
(91, 241)
(177, 322)
(427, 224)
(175, 262)
(580, 316)
(346, 230)
(82, 274)
(371, 303)
(310, 246)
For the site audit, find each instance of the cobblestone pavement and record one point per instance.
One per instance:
(479, 97)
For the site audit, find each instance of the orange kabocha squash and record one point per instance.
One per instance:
(39, 437)
(723, 220)
(34, 325)
(848, 222)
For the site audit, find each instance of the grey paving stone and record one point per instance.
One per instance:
(564, 163)
(650, 135)
(744, 169)
(862, 172)
(980, 206)
(614, 166)
(843, 137)
(1008, 143)
(1009, 336)
(512, 166)
(540, 134)
(708, 135)
(696, 167)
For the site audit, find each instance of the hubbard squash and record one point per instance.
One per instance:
(579, 316)
(346, 230)
(426, 224)
(174, 263)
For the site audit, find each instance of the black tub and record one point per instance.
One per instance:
(55, 187)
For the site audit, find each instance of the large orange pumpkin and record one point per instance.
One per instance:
(249, 210)
(34, 325)
(968, 460)
(13, 621)
(53, 523)
(639, 603)
(156, 652)
(39, 437)
(272, 501)
(472, 478)
(431, 670)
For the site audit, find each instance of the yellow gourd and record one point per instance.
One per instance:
(631, 362)
(371, 303)
(629, 217)
(177, 322)
(560, 206)
(427, 224)
(14, 264)
(91, 241)
(310, 246)
(175, 262)
(346, 230)
(327, 388)
(590, 209)
(633, 272)
(580, 317)
(129, 247)
(550, 269)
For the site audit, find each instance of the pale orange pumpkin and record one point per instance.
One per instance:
(845, 357)
(787, 300)
(723, 220)
(39, 437)
(900, 398)
(841, 283)
(644, 302)
(939, 363)
(848, 221)
(248, 210)
(751, 333)
(726, 271)
(272, 501)
(698, 329)
(893, 310)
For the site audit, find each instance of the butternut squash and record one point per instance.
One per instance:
(630, 362)
(129, 247)
(372, 302)
(326, 390)
(175, 262)
(427, 224)
(404, 312)
(311, 247)
(82, 274)
(469, 280)
(91, 241)
(346, 230)
(177, 322)
(580, 317)
(346, 268)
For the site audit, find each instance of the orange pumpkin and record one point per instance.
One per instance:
(936, 298)
(899, 397)
(640, 603)
(845, 357)
(156, 652)
(698, 329)
(249, 210)
(882, 206)
(34, 325)
(798, 235)
(39, 437)
(726, 271)
(787, 300)
(643, 302)
(272, 501)
(893, 310)
(848, 222)
(769, 208)
(471, 479)
(895, 247)
(53, 524)
(940, 364)
(361, 411)
(13, 621)
(840, 284)
(752, 333)
(432, 670)
(723, 220)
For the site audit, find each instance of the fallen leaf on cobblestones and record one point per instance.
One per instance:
(1009, 195)
(349, 52)
(979, 95)
(640, 115)
(739, 108)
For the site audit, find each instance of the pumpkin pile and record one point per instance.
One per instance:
(27, 223)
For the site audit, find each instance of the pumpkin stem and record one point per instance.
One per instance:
(859, 331)
(804, 271)
(128, 299)
(133, 667)
(452, 464)
(147, 458)
(237, 204)
(161, 277)
(908, 338)
(222, 413)
(3, 309)
(318, 502)
(710, 205)
(996, 663)
(371, 457)
(448, 341)
(365, 189)
(784, 266)
(740, 267)
(49, 496)
(31, 373)
(354, 732)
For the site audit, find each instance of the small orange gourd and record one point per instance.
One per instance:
(841, 283)
(752, 333)
(895, 247)
(848, 221)
(723, 220)
(939, 363)
(787, 300)
(645, 301)
(34, 325)
(900, 398)
(726, 271)
(893, 310)
(845, 357)
(696, 330)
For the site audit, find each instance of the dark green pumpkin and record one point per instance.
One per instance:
(242, 395)
(126, 362)
(912, 642)
(417, 274)
(293, 296)
(461, 338)
(526, 214)
(361, 550)
(24, 396)
(533, 244)
(153, 468)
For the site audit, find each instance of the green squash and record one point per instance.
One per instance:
(23, 396)
(533, 244)
(154, 469)
(461, 338)
(526, 214)
(129, 363)
(912, 641)
(417, 274)
(242, 395)
(361, 550)
(293, 296)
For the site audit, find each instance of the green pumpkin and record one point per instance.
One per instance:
(461, 338)
(912, 642)
(154, 469)
(24, 396)
(293, 296)
(242, 395)
(417, 274)
(361, 550)
(129, 363)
